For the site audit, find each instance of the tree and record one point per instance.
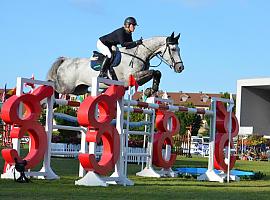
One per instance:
(226, 95)
(67, 136)
(136, 117)
(187, 119)
(256, 140)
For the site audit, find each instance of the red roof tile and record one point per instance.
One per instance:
(195, 98)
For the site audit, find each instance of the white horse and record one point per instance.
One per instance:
(74, 75)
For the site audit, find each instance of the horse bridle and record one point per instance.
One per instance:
(160, 56)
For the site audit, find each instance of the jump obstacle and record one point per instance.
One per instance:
(115, 143)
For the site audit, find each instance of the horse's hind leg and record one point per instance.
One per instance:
(143, 77)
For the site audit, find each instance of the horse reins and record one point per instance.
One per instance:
(160, 56)
(134, 56)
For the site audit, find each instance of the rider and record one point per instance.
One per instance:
(121, 36)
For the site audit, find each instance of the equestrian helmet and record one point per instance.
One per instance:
(130, 20)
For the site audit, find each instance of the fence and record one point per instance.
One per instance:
(5, 135)
(72, 151)
(184, 145)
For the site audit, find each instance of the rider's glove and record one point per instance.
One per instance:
(138, 42)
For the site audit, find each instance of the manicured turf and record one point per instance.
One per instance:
(145, 188)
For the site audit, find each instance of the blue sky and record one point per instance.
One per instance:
(221, 40)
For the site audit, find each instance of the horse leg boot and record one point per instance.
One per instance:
(104, 68)
(156, 80)
(155, 86)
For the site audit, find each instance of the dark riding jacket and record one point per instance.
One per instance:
(119, 36)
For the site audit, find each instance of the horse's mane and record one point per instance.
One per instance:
(124, 49)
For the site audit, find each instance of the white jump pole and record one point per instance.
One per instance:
(210, 174)
(46, 172)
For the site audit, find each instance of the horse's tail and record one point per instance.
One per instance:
(52, 73)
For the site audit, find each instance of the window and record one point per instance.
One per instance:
(184, 97)
(204, 98)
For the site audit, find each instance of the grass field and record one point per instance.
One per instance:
(144, 188)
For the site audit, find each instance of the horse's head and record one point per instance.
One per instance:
(171, 53)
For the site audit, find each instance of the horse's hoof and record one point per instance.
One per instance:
(148, 92)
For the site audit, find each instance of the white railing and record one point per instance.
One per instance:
(72, 151)
(65, 150)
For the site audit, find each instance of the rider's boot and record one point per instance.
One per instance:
(155, 85)
(104, 68)
(113, 74)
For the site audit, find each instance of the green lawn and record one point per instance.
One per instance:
(144, 188)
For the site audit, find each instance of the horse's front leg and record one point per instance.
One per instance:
(143, 77)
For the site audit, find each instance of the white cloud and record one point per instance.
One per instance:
(94, 6)
(197, 3)
(191, 3)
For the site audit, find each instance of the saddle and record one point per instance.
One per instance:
(97, 59)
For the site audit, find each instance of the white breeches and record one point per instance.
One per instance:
(104, 49)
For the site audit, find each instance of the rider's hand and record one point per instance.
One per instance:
(138, 42)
